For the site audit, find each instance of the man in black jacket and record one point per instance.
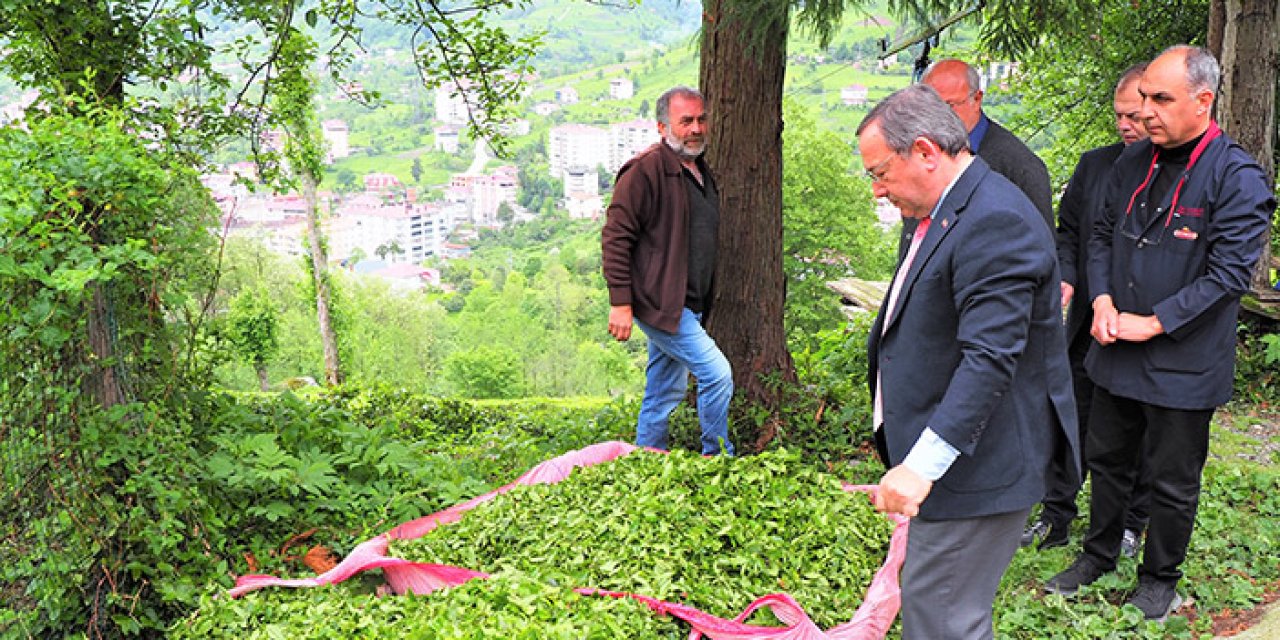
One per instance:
(1180, 232)
(1076, 215)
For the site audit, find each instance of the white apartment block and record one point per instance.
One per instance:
(582, 205)
(582, 192)
(336, 137)
(283, 237)
(626, 139)
(577, 145)
(854, 95)
(447, 138)
(567, 95)
(581, 180)
(622, 89)
(451, 106)
(420, 230)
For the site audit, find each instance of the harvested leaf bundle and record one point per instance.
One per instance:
(712, 533)
(503, 607)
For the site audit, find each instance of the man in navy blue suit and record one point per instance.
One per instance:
(1173, 251)
(968, 364)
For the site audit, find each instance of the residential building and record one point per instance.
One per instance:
(567, 95)
(489, 192)
(447, 138)
(336, 138)
(545, 109)
(626, 139)
(419, 230)
(451, 103)
(854, 95)
(381, 183)
(622, 89)
(576, 145)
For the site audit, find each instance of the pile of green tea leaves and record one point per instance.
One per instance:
(503, 607)
(712, 533)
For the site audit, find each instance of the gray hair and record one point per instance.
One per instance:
(664, 101)
(1131, 75)
(1203, 72)
(914, 112)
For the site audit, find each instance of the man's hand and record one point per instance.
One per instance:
(1068, 292)
(901, 491)
(1135, 328)
(1106, 320)
(620, 322)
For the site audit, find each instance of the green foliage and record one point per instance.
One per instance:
(1257, 372)
(253, 325)
(485, 372)
(172, 506)
(551, 317)
(830, 229)
(295, 108)
(1070, 67)
(1229, 566)
(503, 607)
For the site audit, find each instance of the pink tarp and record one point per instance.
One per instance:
(871, 621)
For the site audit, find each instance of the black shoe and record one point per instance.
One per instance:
(1050, 535)
(1131, 543)
(1081, 572)
(1156, 600)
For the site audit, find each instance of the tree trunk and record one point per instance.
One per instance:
(1247, 100)
(319, 269)
(743, 64)
(263, 383)
(1217, 27)
(103, 384)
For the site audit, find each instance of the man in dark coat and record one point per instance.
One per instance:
(1174, 250)
(658, 249)
(1076, 215)
(960, 87)
(968, 364)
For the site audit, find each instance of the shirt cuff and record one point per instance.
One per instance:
(931, 456)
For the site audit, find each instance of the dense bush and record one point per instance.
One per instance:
(1258, 363)
(219, 485)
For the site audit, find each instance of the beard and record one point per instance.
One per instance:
(687, 150)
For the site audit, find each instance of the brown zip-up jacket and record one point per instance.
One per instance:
(645, 239)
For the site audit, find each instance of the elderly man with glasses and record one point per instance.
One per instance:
(961, 89)
(968, 364)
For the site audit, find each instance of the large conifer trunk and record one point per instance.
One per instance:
(742, 70)
(1247, 47)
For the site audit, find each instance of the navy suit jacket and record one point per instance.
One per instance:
(975, 351)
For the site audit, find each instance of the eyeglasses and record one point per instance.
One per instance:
(955, 103)
(877, 171)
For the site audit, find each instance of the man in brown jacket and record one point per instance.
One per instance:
(659, 256)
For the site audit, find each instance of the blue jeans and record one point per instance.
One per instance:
(671, 357)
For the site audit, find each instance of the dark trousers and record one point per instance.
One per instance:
(1063, 484)
(1177, 443)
